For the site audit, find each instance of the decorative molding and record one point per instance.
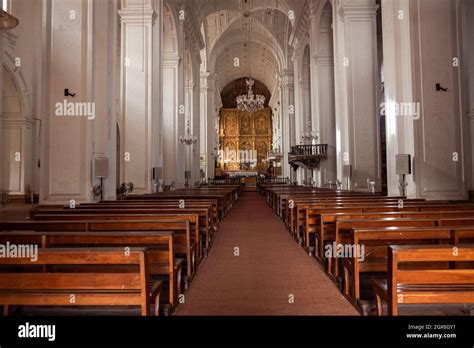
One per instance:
(287, 79)
(132, 16)
(324, 59)
(301, 28)
(356, 12)
(192, 30)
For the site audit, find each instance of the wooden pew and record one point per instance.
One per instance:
(161, 252)
(225, 197)
(297, 215)
(207, 222)
(327, 220)
(425, 285)
(372, 204)
(211, 205)
(345, 228)
(90, 288)
(374, 258)
(182, 237)
(198, 236)
(313, 223)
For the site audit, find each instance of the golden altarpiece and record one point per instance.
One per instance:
(243, 132)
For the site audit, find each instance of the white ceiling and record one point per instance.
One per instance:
(264, 25)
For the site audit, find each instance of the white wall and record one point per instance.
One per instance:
(439, 148)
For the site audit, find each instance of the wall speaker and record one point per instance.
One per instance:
(101, 167)
(347, 171)
(403, 164)
(157, 173)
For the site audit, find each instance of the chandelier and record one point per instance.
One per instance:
(250, 102)
(188, 138)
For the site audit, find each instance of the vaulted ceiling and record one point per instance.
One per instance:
(247, 37)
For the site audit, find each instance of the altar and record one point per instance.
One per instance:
(240, 173)
(245, 139)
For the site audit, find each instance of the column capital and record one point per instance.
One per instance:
(190, 84)
(208, 80)
(138, 16)
(287, 78)
(356, 10)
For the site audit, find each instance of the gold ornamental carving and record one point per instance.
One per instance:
(242, 134)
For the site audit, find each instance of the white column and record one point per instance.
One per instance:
(208, 121)
(299, 105)
(104, 91)
(288, 118)
(203, 145)
(323, 97)
(196, 120)
(137, 18)
(357, 83)
(189, 149)
(398, 76)
(157, 85)
(66, 147)
(171, 120)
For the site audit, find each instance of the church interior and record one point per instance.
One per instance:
(237, 158)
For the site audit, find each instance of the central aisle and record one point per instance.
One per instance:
(270, 270)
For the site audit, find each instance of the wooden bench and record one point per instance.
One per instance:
(296, 216)
(182, 238)
(327, 220)
(374, 257)
(135, 215)
(225, 198)
(207, 224)
(163, 263)
(211, 205)
(425, 285)
(87, 288)
(345, 228)
(313, 217)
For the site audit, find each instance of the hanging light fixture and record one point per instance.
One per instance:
(249, 102)
(188, 138)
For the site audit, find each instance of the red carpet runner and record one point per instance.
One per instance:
(271, 276)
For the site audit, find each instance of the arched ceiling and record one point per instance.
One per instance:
(254, 31)
(259, 54)
(256, 61)
(208, 7)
